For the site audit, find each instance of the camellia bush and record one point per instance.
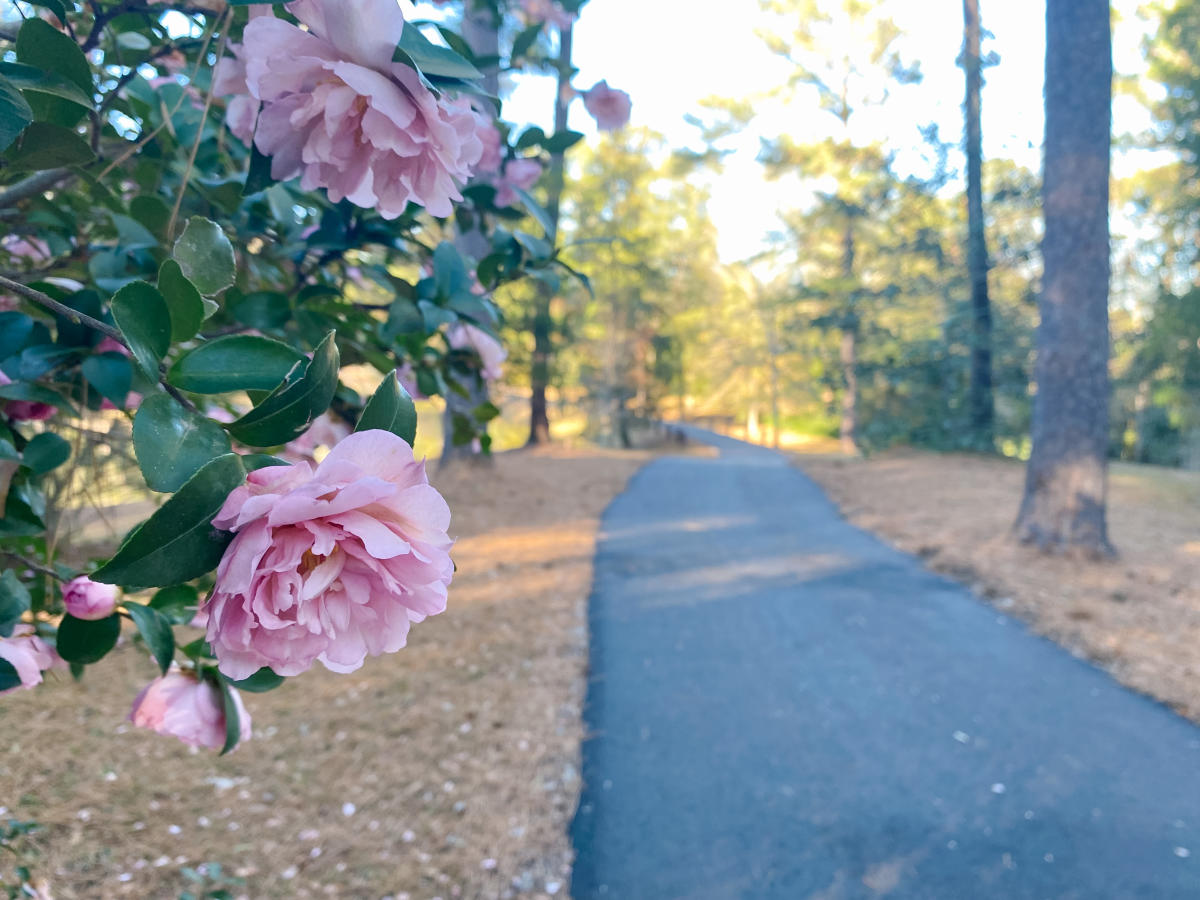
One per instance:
(210, 209)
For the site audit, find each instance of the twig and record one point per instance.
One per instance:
(73, 315)
(36, 566)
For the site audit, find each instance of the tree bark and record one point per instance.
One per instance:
(543, 348)
(981, 403)
(1063, 508)
(481, 34)
(848, 352)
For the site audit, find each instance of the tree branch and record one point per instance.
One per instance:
(61, 309)
(32, 186)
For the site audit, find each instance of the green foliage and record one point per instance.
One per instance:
(390, 409)
(173, 443)
(85, 641)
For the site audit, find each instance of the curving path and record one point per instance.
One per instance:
(780, 706)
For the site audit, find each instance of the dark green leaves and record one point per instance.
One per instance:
(15, 113)
(177, 604)
(205, 256)
(85, 642)
(233, 719)
(240, 362)
(178, 542)
(432, 59)
(31, 78)
(111, 374)
(182, 299)
(289, 410)
(44, 47)
(9, 678)
(46, 146)
(173, 443)
(143, 317)
(45, 452)
(14, 603)
(260, 682)
(155, 631)
(390, 409)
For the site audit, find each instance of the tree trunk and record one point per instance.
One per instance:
(848, 353)
(480, 32)
(543, 348)
(849, 358)
(981, 404)
(1066, 480)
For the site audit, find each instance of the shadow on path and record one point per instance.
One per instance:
(781, 706)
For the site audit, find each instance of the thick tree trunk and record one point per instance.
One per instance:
(982, 408)
(480, 32)
(543, 347)
(1066, 480)
(848, 352)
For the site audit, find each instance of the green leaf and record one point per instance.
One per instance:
(536, 210)
(36, 393)
(263, 310)
(449, 271)
(432, 59)
(15, 113)
(156, 632)
(172, 443)
(206, 256)
(523, 41)
(46, 452)
(562, 141)
(14, 602)
(390, 409)
(9, 678)
(31, 78)
(41, 45)
(260, 682)
(239, 362)
(178, 543)
(111, 374)
(183, 301)
(291, 408)
(86, 642)
(233, 721)
(143, 317)
(530, 137)
(258, 175)
(47, 146)
(177, 604)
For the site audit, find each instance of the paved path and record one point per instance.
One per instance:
(782, 707)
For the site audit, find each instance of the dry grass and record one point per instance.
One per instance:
(1138, 616)
(459, 755)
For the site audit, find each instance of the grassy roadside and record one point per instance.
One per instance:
(447, 770)
(1138, 616)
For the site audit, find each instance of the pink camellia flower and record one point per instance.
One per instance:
(25, 410)
(493, 146)
(29, 655)
(609, 107)
(28, 248)
(87, 599)
(547, 11)
(465, 336)
(182, 705)
(326, 431)
(337, 111)
(331, 564)
(241, 112)
(518, 173)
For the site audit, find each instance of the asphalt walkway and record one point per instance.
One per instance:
(781, 706)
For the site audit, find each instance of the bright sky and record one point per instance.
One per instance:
(669, 54)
